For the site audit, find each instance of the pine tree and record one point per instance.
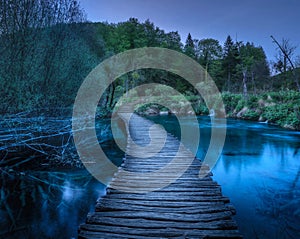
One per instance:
(189, 47)
(230, 60)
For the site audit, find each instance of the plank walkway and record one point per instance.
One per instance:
(189, 207)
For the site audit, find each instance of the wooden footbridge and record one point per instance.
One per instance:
(136, 206)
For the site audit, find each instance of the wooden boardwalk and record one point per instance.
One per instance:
(135, 206)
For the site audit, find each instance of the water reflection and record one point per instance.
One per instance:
(260, 179)
(259, 170)
(46, 204)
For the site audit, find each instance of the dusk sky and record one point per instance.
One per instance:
(252, 21)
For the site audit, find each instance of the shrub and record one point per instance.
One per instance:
(282, 114)
(230, 101)
(201, 109)
(241, 104)
(251, 115)
(252, 102)
(275, 113)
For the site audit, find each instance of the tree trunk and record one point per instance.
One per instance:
(245, 91)
(286, 57)
(253, 82)
(228, 81)
(126, 85)
(112, 94)
(284, 72)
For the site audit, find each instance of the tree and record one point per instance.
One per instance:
(149, 33)
(284, 59)
(253, 66)
(285, 53)
(189, 47)
(173, 41)
(260, 70)
(230, 60)
(27, 60)
(209, 50)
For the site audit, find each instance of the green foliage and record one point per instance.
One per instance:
(43, 66)
(231, 100)
(207, 51)
(276, 113)
(230, 64)
(241, 104)
(200, 108)
(251, 115)
(282, 114)
(282, 96)
(252, 102)
(192, 98)
(280, 108)
(189, 47)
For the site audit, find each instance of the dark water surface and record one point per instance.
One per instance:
(259, 171)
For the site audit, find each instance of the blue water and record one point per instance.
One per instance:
(259, 170)
(261, 177)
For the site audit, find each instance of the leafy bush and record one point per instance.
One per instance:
(275, 113)
(252, 102)
(282, 114)
(230, 101)
(192, 98)
(201, 109)
(251, 115)
(241, 104)
(281, 109)
(282, 96)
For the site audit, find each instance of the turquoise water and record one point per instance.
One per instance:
(259, 171)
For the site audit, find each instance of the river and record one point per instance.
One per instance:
(259, 170)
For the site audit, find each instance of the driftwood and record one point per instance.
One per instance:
(26, 141)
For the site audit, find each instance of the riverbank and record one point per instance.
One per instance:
(46, 142)
(277, 108)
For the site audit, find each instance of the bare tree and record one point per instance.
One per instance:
(285, 57)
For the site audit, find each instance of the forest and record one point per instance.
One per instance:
(47, 49)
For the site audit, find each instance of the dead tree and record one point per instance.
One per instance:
(287, 51)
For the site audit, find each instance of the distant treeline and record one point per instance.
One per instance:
(48, 48)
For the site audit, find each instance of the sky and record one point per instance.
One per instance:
(244, 20)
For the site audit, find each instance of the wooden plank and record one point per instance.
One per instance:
(97, 231)
(174, 189)
(162, 216)
(164, 203)
(138, 197)
(198, 209)
(189, 207)
(224, 224)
